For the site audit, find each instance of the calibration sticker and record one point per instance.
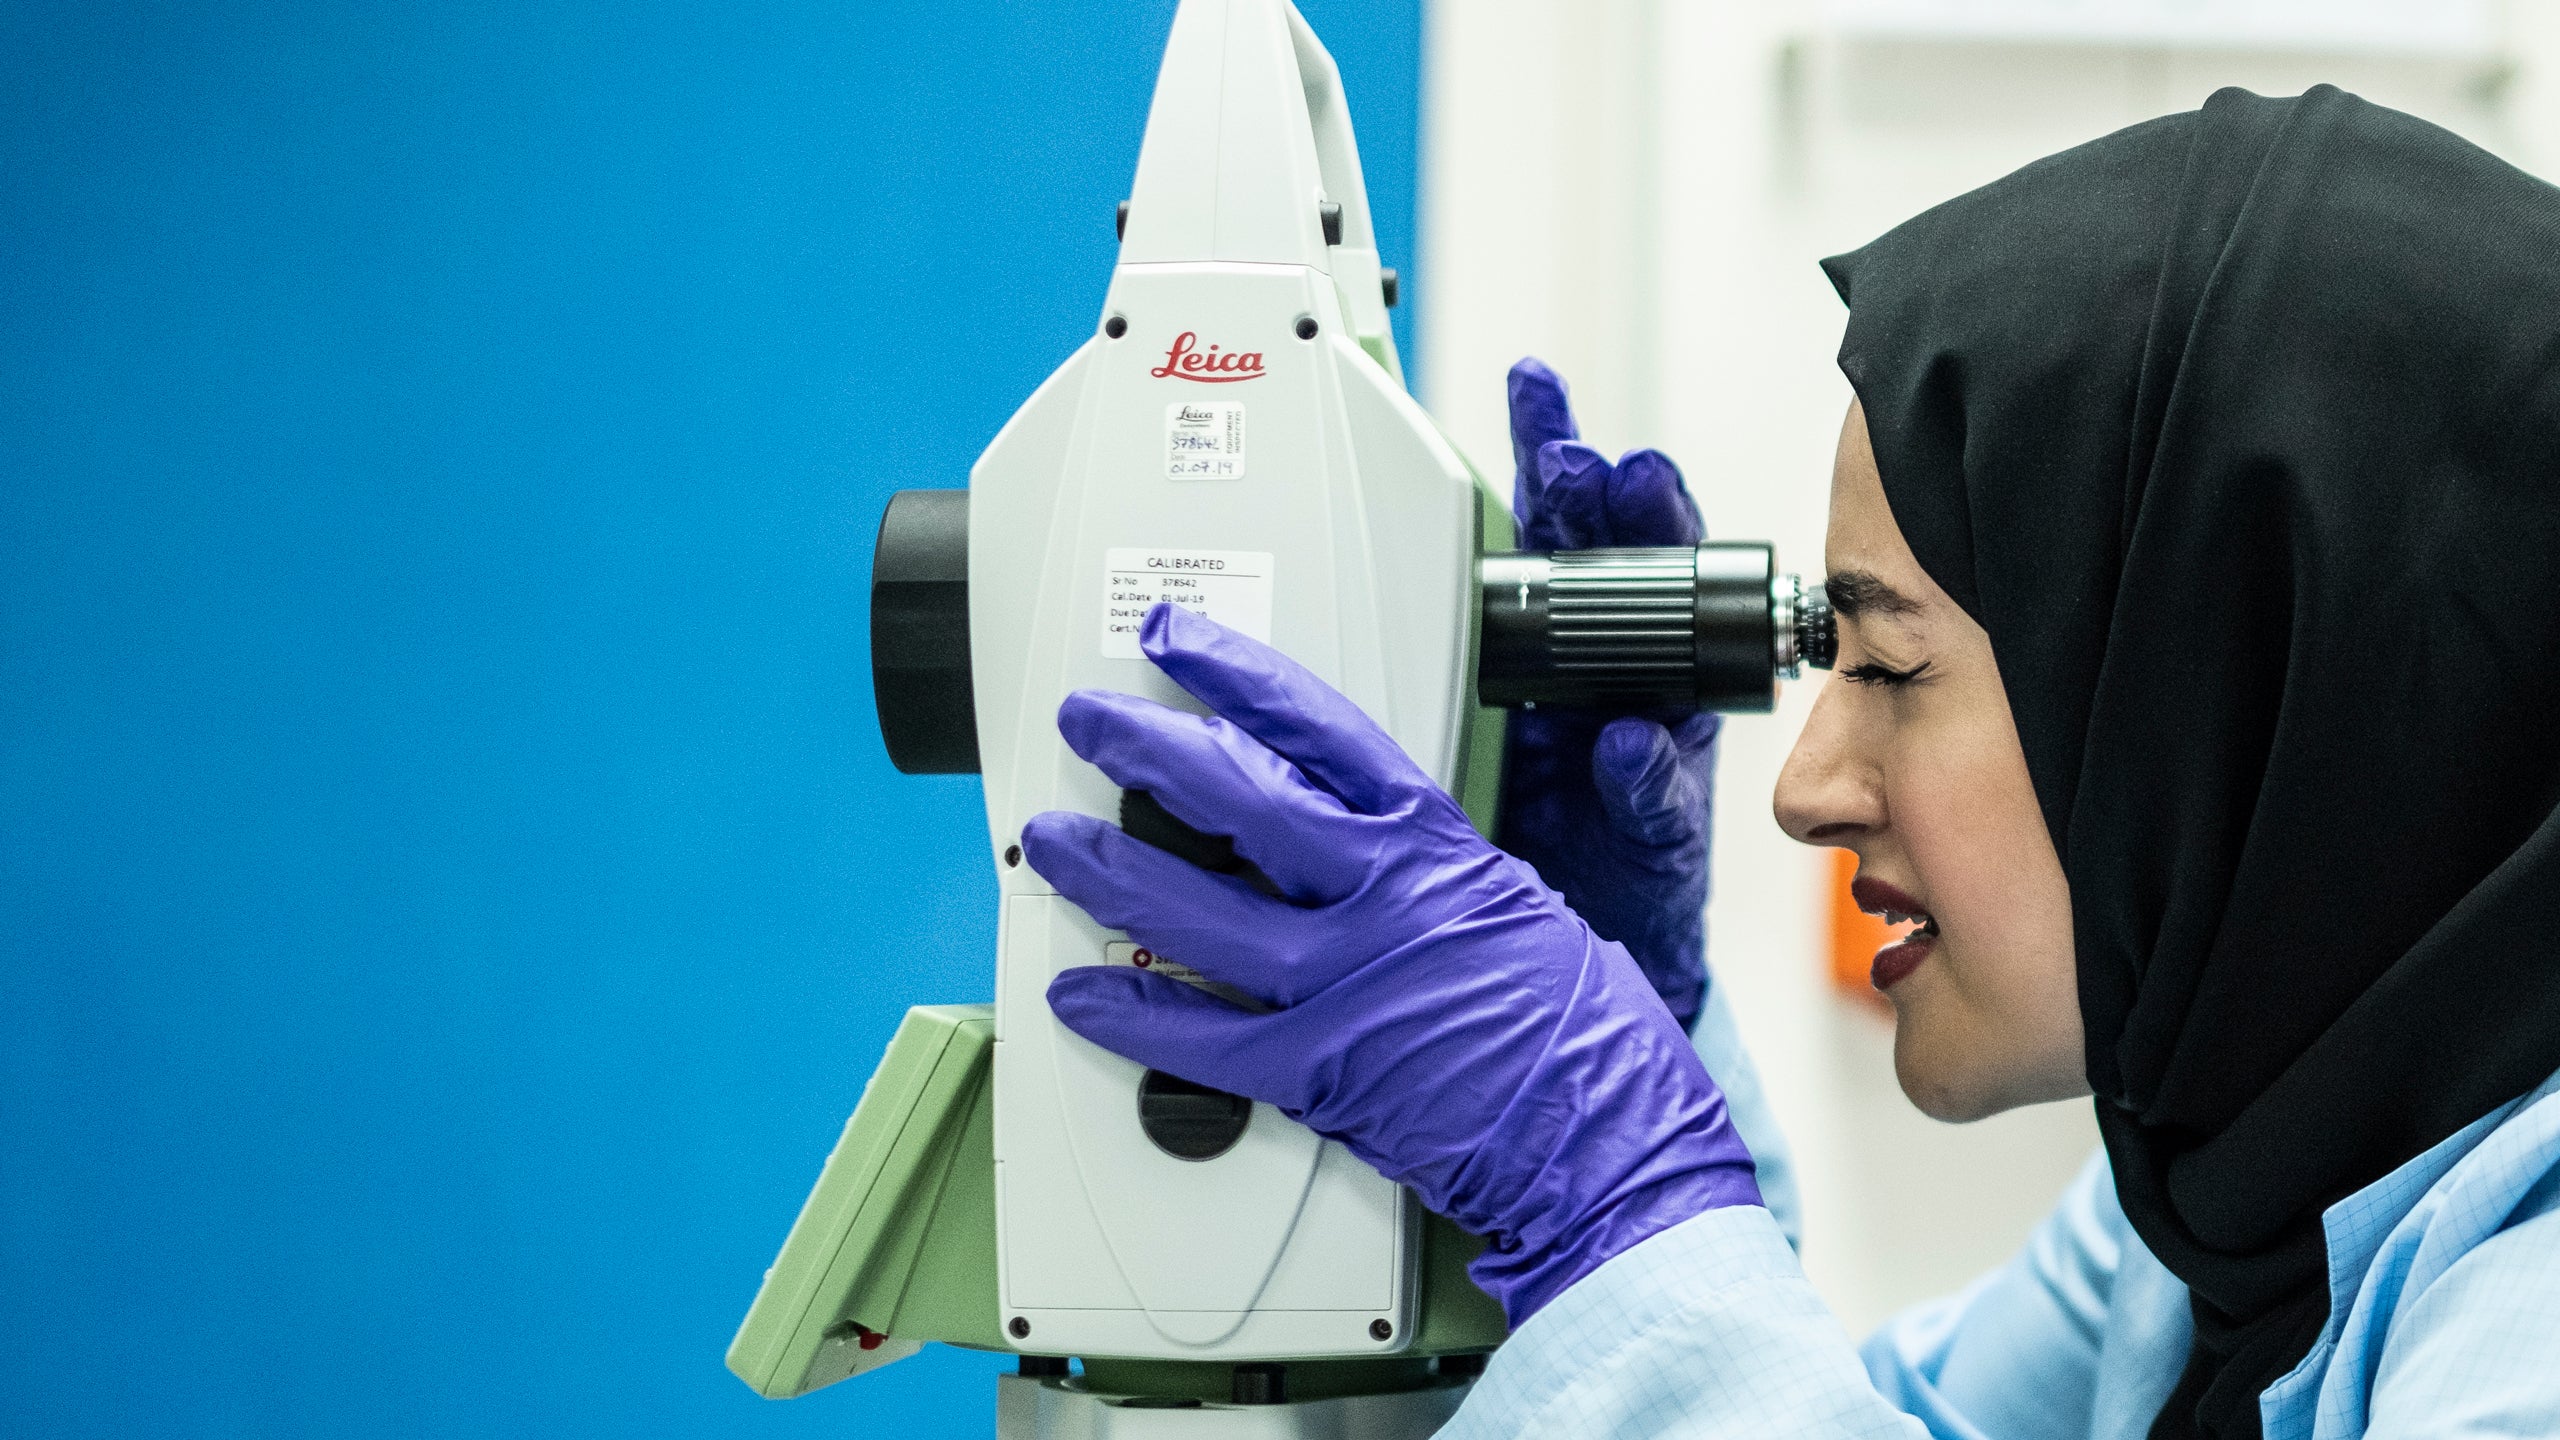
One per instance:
(1204, 440)
(1232, 587)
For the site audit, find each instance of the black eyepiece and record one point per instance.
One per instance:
(1714, 626)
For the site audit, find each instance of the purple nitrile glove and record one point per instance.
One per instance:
(1612, 810)
(1435, 1007)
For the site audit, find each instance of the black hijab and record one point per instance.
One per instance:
(2239, 432)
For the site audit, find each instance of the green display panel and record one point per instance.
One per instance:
(897, 1243)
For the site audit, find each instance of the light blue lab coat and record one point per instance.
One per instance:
(2444, 1284)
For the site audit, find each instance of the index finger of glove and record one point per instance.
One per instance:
(1540, 412)
(1570, 509)
(1216, 924)
(1218, 780)
(1281, 703)
(1649, 504)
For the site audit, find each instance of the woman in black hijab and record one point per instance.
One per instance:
(2193, 540)
(2238, 434)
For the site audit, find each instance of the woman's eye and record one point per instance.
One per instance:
(1870, 673)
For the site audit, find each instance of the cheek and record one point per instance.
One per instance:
(1997, 1006)
(1952, 809)
(1975, 837)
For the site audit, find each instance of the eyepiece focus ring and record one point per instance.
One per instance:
(1802, 631)
(1817, 633)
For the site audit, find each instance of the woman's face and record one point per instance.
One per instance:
(1910, 759)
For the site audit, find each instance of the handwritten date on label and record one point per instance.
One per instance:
(1204, 440)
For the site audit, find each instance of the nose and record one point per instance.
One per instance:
(1827, 794)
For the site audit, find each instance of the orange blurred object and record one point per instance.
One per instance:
(1855, 935)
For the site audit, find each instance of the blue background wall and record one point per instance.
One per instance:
(451, 890)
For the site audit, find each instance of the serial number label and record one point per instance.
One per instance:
(1204, 440)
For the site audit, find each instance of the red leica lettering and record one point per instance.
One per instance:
(1184, 363)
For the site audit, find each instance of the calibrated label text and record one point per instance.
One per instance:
(1232, 587)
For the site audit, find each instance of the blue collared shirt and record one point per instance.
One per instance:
(2444, 1282)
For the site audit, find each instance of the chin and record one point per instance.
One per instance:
(1960, 1060)
(1945, 1098)
(1948, 1079)
(1951, 1104)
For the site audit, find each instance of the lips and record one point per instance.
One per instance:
(1904, 955)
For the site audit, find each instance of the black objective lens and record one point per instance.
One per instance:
(920, 678)
(1715, 626)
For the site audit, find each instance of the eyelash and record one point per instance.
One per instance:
(1871, 673)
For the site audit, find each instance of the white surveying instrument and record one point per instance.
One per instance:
(1236, 438)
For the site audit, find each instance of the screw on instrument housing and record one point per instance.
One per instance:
(1115, 327)
(1381, 1330)
(1306, 327)
(1018, 1328)
(1012, 856)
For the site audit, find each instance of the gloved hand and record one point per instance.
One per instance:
(1613, 811)
(1435, 1007)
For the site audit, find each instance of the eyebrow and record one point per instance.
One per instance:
(1856, 592)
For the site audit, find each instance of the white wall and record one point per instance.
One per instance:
(1637, 190)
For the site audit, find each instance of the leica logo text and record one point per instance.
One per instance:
(1186, 362)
